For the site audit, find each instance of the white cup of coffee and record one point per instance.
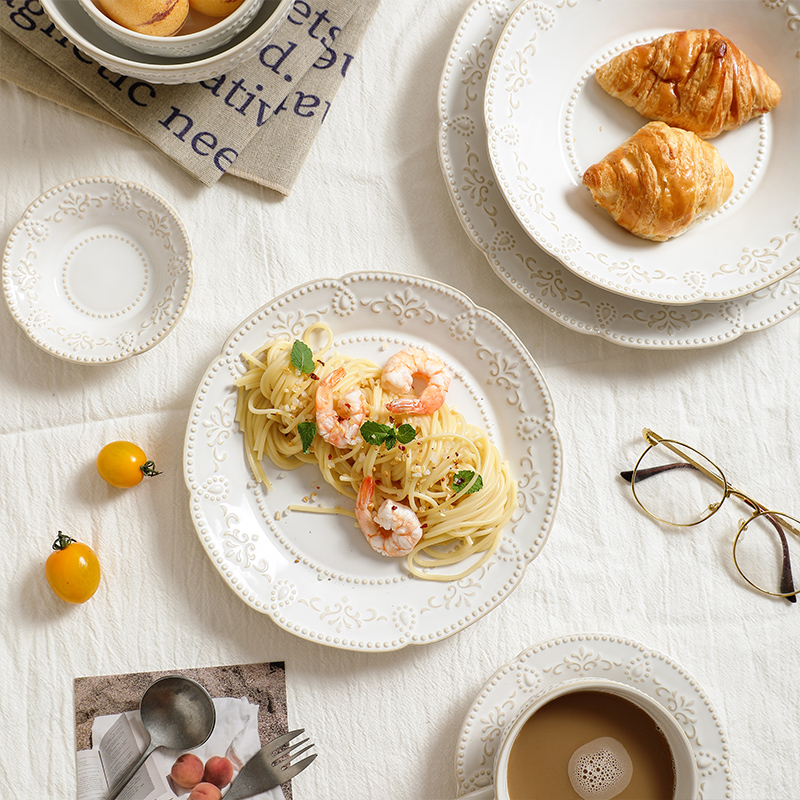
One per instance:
(592, 739)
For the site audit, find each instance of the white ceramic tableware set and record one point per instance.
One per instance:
(521, 117)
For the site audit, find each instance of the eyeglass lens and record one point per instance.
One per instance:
(676, 489)
(764, 550)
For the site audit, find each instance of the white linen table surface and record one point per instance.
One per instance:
(371, 196)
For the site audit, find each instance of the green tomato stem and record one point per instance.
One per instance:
(149, 469)
(62, 541)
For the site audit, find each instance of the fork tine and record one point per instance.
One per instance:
(287, 758)
(287, 773)
(281, 741)
(287, 752)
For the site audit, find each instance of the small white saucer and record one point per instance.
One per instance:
(97, 270)
(599, 656)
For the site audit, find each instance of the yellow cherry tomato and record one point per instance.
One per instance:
(72, 570)
(124, 464)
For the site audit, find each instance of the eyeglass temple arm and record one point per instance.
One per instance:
(643, 474)
(653, 438)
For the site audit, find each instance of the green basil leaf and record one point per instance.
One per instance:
(462, 478)
(302, 357)
(391, 439)
(307, 431)
(405, 433)
(374, 432)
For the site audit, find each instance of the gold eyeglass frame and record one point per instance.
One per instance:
(760, 510)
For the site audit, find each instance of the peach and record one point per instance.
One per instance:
(187, 771)
(153, 17)
(219, 771)
(215, 8)
(205, 791)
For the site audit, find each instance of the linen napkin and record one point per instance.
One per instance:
(257, 121)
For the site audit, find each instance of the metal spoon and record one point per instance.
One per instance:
(178, 714)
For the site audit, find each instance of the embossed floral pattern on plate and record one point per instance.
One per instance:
(547, 120)
(591, 655)
(314, 574)
(522, 265)
(97, 270)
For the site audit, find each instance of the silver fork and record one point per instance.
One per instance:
(271, 766)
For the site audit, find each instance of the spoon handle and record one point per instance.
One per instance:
(121, 784)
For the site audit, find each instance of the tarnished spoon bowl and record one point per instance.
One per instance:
(178, 714)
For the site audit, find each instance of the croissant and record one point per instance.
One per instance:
(660, 181)
(697, 80)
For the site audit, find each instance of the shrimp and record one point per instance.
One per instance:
(393, 530)
(339, 423)
(398, 375)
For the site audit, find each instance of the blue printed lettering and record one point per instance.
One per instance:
(134, 87)
(223, 155)
(167, 123)
(305, 101)
(204, 138)
(284, 54)
(303, 9)
(21, 16)
(214, 85)
(321, 16)
(262, 108)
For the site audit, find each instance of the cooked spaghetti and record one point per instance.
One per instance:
(436, 474)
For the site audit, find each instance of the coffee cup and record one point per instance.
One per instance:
(632, 744)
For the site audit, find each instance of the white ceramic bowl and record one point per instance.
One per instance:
(199, 34)
(73, 21)
(97, 270)
(686, 782)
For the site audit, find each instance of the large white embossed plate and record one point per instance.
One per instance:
(534, 274)
(314, 574)
(97, 270)
(591, 655)
(547, 120)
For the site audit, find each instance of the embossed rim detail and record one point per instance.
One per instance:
(100, 338)
(595, 655)
(751, 249)
(343, 597)
(529, 271)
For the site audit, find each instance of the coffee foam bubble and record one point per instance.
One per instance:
(600, 769)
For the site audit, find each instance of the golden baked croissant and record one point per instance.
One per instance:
(660, 181)
(697, 80)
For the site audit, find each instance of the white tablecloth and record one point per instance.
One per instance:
(371, 196)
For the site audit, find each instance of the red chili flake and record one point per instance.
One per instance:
(313, 376)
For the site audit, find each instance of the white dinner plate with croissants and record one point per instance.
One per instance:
(525, 268)
(676, 180)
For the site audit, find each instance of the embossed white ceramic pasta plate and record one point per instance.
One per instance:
(547, 120)
(534, 274)
(593, 655)
(97, 270)
(315, 574)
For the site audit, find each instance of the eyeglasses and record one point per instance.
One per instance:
(678, 485)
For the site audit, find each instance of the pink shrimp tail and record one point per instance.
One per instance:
(408, 405)
(366, 492)
(335, 376)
